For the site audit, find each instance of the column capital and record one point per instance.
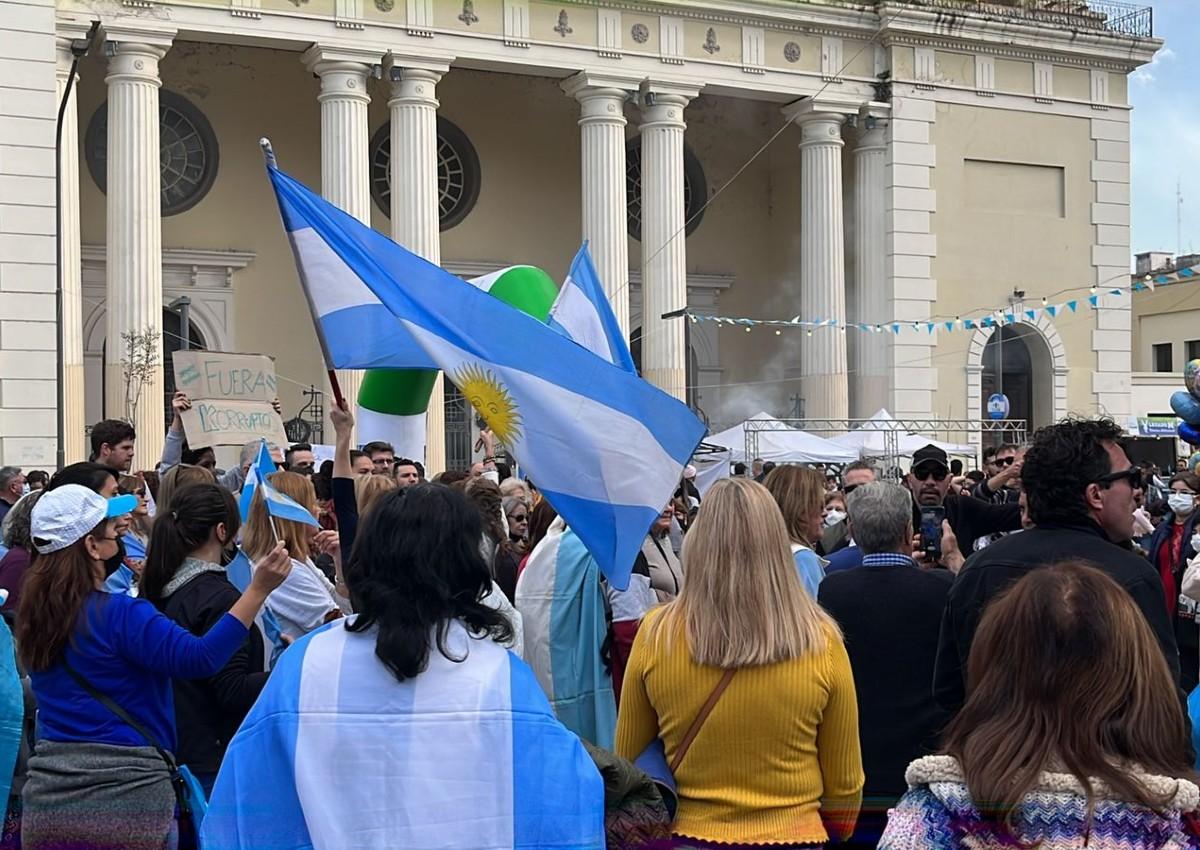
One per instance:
(338, 66)
(587, 84)
(662, 104)
(824, 109)
(134, 60)
(395, 64)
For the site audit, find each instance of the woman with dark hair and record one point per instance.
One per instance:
(77, 642)
(184, 578)
(95, 476)
(1087, 742)
(19, 542)
(1171, 547)
(412, 711)
(494, 545)
(540, 517)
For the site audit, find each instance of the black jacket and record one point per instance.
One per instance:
(209, 711)
(972, 518)
(991, 570)
(890, 616)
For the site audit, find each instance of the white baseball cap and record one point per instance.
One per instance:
(66, 514)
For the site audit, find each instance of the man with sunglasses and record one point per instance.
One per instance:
(969, 518)
(1003, 483)
(1080, 490)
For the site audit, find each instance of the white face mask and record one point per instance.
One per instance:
(1181, 504)
(834, 517)
(1196, 542)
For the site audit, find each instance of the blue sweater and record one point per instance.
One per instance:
(129, 652)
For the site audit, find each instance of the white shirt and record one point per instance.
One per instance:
(304, 599)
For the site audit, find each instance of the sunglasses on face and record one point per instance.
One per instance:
(517, 517)
(937, 473)
(1004, 461)
(849, 488)
(1133, 475)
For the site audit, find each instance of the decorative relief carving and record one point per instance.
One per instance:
(640, 33)
(791, 52)
(563, 28)
(710, 42)
(468, 16)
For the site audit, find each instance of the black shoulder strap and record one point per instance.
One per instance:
(121, 713)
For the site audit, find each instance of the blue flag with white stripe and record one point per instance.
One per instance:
(336, 753)
(606, 448)
(258, 471)
(283, 507)
(582, 312)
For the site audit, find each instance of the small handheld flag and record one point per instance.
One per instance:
(277, 504)
(258, 472)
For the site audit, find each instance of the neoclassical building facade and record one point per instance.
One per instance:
(899, 161)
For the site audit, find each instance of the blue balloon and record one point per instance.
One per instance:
(1188, 434)
(1186, 407)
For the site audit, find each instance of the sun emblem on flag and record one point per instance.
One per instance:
(491, 398)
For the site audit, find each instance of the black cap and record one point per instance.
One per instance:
(928, 455)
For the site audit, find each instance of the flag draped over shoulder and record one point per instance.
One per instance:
(562, 613)
(605, 447)
(336, 753)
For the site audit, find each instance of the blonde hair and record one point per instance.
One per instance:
(178, 477)
(800, 494)
(130, 484)
(369, 488)
(258, 538)
(742, 604)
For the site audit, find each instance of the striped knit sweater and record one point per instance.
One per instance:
(938, 812)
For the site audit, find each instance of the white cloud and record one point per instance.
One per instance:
(1145, 74)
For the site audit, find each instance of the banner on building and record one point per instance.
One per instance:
(231, 397)
(1156, 426)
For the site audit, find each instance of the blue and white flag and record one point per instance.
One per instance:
(278, 505)
(606, 448)
(283, 507)
(561, 605)
(336, 753)
(582, 312)
(259, 469)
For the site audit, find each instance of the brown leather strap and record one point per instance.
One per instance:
(713, 699)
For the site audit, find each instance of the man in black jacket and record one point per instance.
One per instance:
(970, 518)
(1080, 489)
(889, 610)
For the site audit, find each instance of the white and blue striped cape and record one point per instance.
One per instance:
(337, 753)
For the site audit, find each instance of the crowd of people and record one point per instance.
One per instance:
(801, 657)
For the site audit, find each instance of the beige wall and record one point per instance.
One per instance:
(524, 130)
(1168, 314)
(1013, 211)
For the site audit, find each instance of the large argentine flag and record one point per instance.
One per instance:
(583, 313)
(338, 754)
(605, 447)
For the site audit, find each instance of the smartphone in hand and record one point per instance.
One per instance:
(931, 531)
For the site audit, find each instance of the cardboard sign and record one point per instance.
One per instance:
(231, 397)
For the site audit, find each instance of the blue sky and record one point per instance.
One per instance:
(1165, 138)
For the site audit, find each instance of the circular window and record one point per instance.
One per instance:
(457, 172)
(187, 152)
(695, 189)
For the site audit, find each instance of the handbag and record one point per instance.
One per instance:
(189, 794)
(653, 759)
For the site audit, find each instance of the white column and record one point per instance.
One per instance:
(823, 378)
(74, 421)
(415, 211)
(345, 138)
(605, 211)
(869, 366)
(133, 300)
(664, 256)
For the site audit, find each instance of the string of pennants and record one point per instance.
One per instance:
(994, 319)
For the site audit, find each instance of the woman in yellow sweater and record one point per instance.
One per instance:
(777, 760)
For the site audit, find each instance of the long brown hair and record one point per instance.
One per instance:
(176, 478)
(743, 603)
(800, 494)
(52, 597)
(1065, 674)
(258, 538)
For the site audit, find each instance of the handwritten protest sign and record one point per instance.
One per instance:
(231, 397)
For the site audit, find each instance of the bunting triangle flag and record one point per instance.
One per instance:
(1031, 315)
(1053, 310)
(1072, 305)
(1094, 300)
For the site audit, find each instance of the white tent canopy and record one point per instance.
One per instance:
(777, 442)
(869, 439)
